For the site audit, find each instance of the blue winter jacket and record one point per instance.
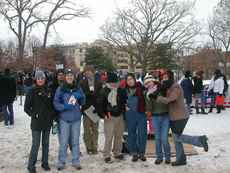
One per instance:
(67, 112)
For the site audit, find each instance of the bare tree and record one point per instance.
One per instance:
(21, 17)
(219, 31)
(147, 22)
(62, 10)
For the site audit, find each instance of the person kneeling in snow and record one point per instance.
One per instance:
(68, 101)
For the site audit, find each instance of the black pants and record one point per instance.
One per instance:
(36, 138)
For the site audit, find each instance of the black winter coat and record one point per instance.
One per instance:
(92, 97)
(7, 89)
(38, 105)
(105, 106)
(198, 85)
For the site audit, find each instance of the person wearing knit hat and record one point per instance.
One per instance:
(38, 105)
(40, 75)
(158, 112)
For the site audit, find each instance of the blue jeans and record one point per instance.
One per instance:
(69, 130)
(36, 138)
(180, 139)
(8, 112)
(161, 126)
(137, 132)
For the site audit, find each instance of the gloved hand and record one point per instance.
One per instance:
(69, 107)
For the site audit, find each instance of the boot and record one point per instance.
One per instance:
(203, 111)
(210, 110)
(218, 109)
(135, 158)
(180, 162)
(197, 110)
(45, 167)
(204, 142)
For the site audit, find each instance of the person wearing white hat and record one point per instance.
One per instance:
(160, 120)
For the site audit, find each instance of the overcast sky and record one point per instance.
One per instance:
(87, 30)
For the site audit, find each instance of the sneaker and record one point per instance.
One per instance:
(204, 142)
(158, 161)
(46, 167)
(135, 158)
(108, 160)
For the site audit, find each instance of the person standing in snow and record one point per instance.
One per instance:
(198, 92)
(187, 87)
(90, 87)
(160, 120)
(112, 109)
(38, 105)
(179, 118)
(135, 118)
(216, 88)
(68, 101)
(8, 89)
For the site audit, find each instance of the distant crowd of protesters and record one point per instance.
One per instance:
(60, 102)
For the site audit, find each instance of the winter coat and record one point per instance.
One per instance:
(69, 112)
(7, 89)
(105, 106)
(155, 107)
(175, 100)
(91, 97)
(217, 86)
(198, 85)
(187, 87)
(38, 105)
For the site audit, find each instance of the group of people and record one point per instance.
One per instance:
(123, 104)
(216, 90)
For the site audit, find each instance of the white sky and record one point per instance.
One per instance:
(87, 30)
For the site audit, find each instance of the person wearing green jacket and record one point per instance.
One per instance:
(160, 121)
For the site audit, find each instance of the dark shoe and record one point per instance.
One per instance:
(179, 163)
(119, 157)
(204, 142)
(203, 111)
(210, 110)
(108, 160)
(33, 170)
(167, 162)
(94, 152)
(77, 167)
(197, 111)
(60, 168)
(158, 161)
(135, 158)
(218, 109)
(142, 158)
(46, 167)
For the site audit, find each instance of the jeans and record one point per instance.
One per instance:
(180, 139)
(8, 114)
(161, 126)
(69, 130)
(36, 138)
(137, 132)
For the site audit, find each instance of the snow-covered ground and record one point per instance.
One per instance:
(15, 146)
